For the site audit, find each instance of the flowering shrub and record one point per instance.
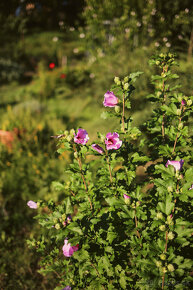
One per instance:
(127, 231)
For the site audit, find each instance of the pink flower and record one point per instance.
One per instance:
(183, 102)
(68, 250)
(32, 204)
(177, 164)
(126, 196)
(69, 219)
(81, 137)
(110, 100)
(98, 148)
(191, 187)
(112, 141)
(67, 288)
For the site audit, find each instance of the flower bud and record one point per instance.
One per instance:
(76, 155)
(117, 109)
(158, 264)
(180, 99)
(126, 79)
(189, 102)
(169, 220)
(171, 268)
(38, 204)
(138, 203)
(57, 226)
(163, 75)
(180, 126)
(178, 112)
(162, 228)
(66, 133)
(170, 236)
(117, 80)
(126, 86)
(55, 220)
(103, 138)
(133, 205)
(159, 215)
(64, 217)
(127, 199)
(164, 270)
(157, 62)
(69, 138)
(163, 257)
(72, 132)
(170, 188)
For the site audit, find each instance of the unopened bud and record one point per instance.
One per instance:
(138, 203)
(69, 138)
(163, 75)
(159, 215)
(57, 226)
(170, 188)
(103, 138)
(117, 80)
(189, 102)
(164, 270)
(180, 126)
(38, 204)
(126, 79)
(158, 264)
(180, 99)
(171, 268)
(64, 217)
(169, 220)
(66, 133)
(55, 220)
(157, 62)
(178, 112)
(126, 86)
(163, 257)
(162, 228)
(170, 236)
(76, 155)
(72, 132)
(117, 109)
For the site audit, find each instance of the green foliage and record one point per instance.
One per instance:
(128, 237)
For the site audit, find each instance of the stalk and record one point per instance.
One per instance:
(109, 167)
(123, 115)
(175, 142)
(136, 224)
(163, 103)
(166, 246)
(82, 175)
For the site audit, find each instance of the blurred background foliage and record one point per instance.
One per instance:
(57, 59)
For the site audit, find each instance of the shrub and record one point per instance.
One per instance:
(114, 229)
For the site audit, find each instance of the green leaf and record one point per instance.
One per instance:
(169, 205)
(75, 228)
(122, 280)
(58, 186)
(69, 208)
(134, 76)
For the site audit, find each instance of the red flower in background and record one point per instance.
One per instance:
(63, 76)
(52, 65)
